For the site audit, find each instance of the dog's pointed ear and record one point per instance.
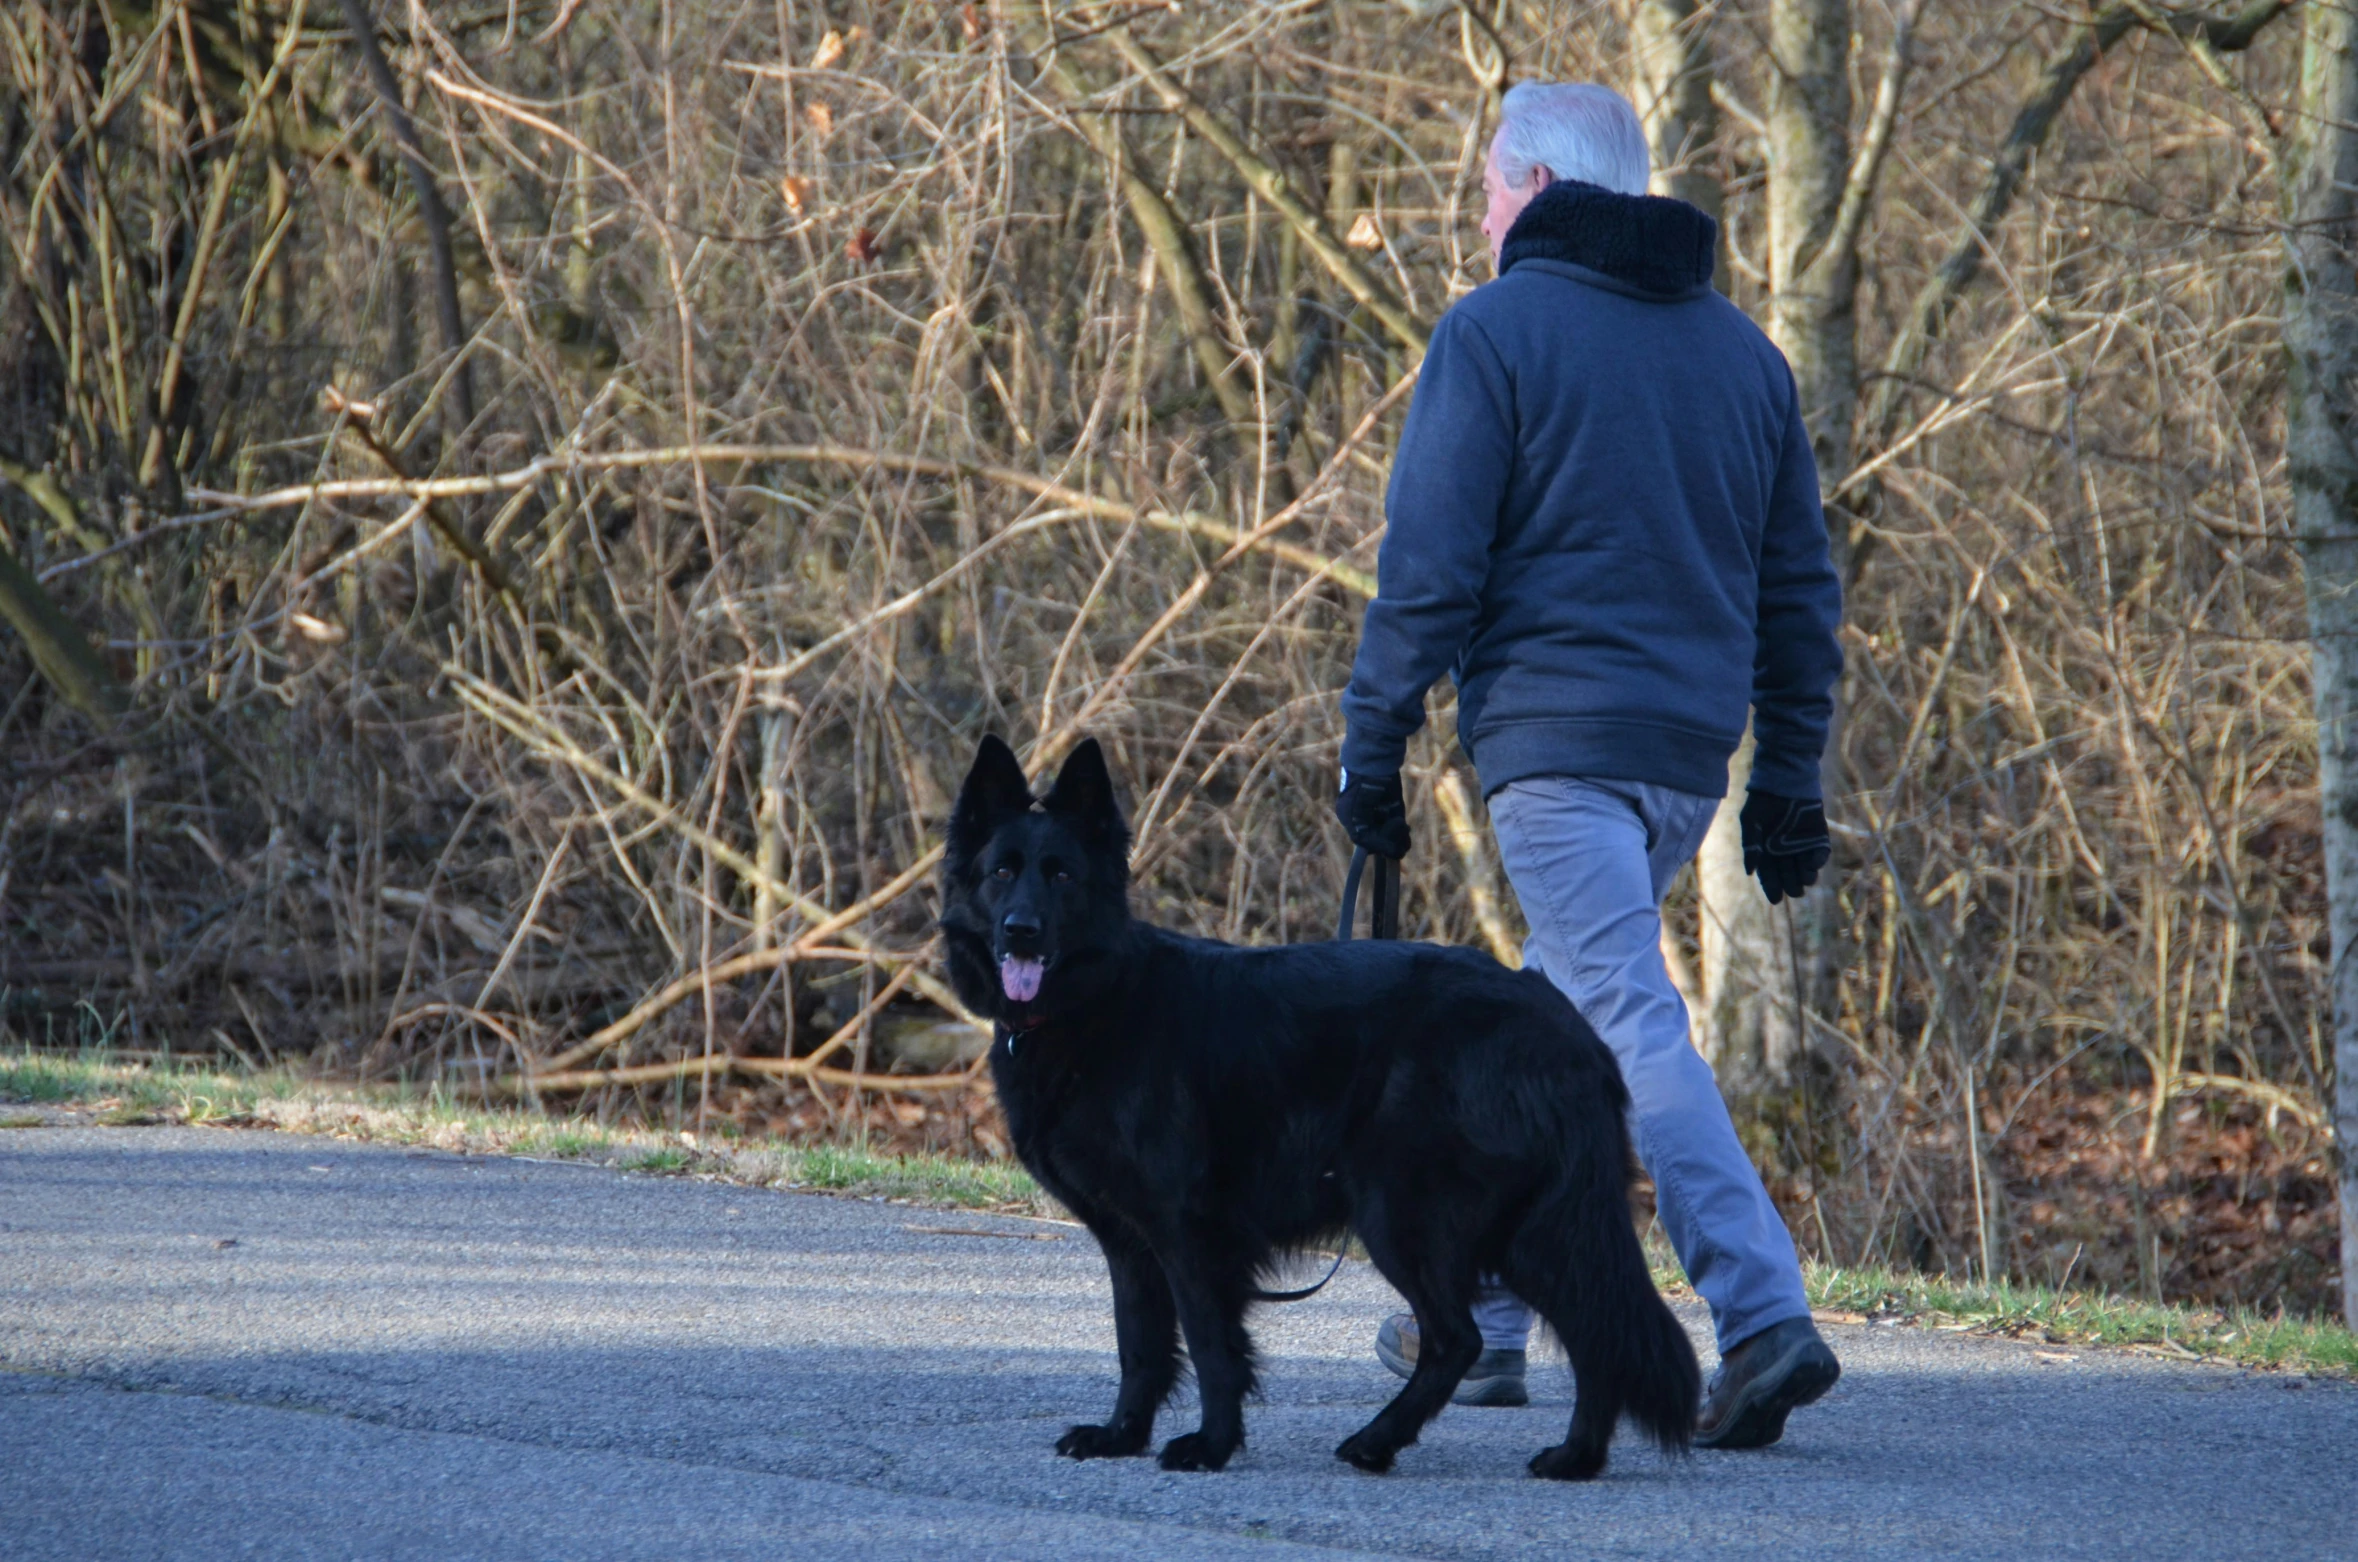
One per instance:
(995, 787)
(1084, 791)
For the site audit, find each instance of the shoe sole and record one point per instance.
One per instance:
(1503, 1392)
(1801, 1379)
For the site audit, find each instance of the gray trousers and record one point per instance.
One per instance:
(1590, 861)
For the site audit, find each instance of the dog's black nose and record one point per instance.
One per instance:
(1020, 927)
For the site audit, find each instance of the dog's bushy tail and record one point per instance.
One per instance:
(1579, 1261)
(1661, 1382)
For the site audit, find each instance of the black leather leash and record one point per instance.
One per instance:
(1383, 921)
(1308, 1290)
(1383, 912)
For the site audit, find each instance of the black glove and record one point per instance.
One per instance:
(1374, 814)
(1785, 843)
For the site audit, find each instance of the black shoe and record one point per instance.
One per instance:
(1495, 1378)
(1761, 1382)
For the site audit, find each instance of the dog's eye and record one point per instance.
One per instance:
(1003, 873)
(1063, 876)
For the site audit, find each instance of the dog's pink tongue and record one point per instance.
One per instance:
(1020, 978)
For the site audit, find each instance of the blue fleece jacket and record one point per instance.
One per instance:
(1603, 522)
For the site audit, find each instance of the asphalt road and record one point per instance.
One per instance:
(240, 1344)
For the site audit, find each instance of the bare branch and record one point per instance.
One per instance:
(1271, 184)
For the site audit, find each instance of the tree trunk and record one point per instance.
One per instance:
(1813, 271)
(2320, 171)
(1670, 83)
(1752, 953)
(1749, 1024)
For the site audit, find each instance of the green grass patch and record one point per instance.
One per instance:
(183, 1093)
(2061, 1318)
(2089, 1318)
(144, 1093)
(924, 1179)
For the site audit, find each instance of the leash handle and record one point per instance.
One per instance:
(1383, 912)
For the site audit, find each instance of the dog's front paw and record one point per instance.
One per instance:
(1194, 1451)
(1101, 1442)
(1567, 1463)
(1367, 1453)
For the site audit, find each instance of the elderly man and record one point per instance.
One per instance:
(1604, 524)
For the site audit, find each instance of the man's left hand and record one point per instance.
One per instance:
(1785, 843)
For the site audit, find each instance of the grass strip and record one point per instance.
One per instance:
(2043, 1314)
(145, 1093)
(133, 1094)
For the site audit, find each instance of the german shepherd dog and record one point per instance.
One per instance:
(1205, 1109)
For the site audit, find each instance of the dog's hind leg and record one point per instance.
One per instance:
(1146, 1330)
(1435, 1270)
(1576, 1258)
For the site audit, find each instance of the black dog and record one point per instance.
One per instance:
(1204, 1109)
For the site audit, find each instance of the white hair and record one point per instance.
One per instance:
(1576, 131)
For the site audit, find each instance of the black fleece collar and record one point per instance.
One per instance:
(1648, 242)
